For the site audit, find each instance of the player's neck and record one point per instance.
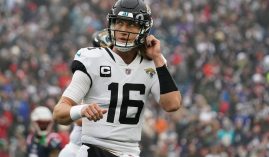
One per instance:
(127, 57)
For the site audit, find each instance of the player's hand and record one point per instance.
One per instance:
(153, 50)
(93, 112)
(153, 47)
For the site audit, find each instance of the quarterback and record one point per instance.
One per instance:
(115, 83)
(99, 39)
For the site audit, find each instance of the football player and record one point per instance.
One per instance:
(115, 83)
(99, 39)
(42, 142)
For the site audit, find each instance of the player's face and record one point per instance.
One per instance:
(43, 124)
(126, 30)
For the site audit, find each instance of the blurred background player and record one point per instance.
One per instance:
(99, 39)
(42, 142)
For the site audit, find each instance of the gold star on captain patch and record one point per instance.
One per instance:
(150, 71)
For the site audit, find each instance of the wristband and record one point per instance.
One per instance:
(75, 112)
(167, 84)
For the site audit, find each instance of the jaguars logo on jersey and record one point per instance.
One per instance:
(150, 71)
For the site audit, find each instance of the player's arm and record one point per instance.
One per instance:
(67, 109)
(72, 95)
(170, 97)
(61, 112)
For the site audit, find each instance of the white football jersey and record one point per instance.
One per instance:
(123, 90)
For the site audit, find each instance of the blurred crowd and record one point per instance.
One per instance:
(217, 51)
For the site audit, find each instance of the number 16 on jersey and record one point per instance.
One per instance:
(126, 102)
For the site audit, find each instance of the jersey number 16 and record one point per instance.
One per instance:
(126, 102)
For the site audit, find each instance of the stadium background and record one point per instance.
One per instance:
(217, 51)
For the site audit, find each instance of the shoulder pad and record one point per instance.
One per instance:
(89, 52)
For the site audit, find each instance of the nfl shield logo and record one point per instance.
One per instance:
(128, 71)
